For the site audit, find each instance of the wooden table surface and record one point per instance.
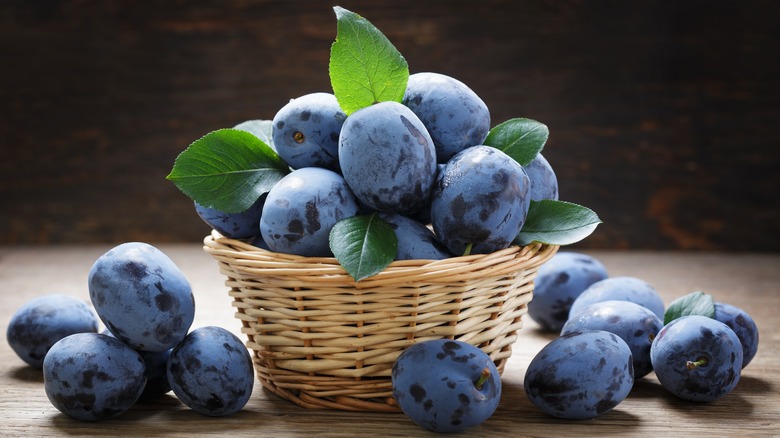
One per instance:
(749, 281)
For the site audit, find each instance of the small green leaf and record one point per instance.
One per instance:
(521, 139)
(364, 245)
(695, 303)
(557, 223)
(365, 67)
(227, 169)
(262, 129)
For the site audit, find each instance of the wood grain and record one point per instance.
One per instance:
(662, 115)
(752, 409)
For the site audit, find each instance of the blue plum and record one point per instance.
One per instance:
(580, 375)
(243, 225)
(154, 370)
(453, 114)
(302, 208)
(624, 289)
(557, 285)
(388, 158)
(480, 200)
(141, 296)
(415, 240)
(544, 183)
(306, 131)
(697, 358)
(211, 372)
(92, 377)
(41, 322)
(445, 385)
(635, 324)
(744, 327)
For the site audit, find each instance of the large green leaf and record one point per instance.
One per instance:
(365, 67)
(363, 245)
(557, 223)
(520, 138)
(695, 303)
(227, 169)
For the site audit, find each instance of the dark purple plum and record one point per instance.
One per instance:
(41, 322)
(306, 131)
(154, 370)
(92, 377)
(302, 208)
(415, 240)
(445, 385)
(211, 372)
(544, 183)
(558, 283)
(697, 358)
(388, 158)
(744, 327)
(635, 324)
(141, 296)
(453, 114)
(580, 375)
(243, 225)
(480, 201)
(624, 289)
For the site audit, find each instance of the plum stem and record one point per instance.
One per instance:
(468, 249)
(697, 363)
(483, 377)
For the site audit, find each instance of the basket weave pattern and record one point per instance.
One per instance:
(323, 341)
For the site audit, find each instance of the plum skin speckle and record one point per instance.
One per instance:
(435, 384)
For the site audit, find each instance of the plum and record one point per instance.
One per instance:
(415, 240)
(544, 183)
(446, 385)
(744, 327)
(697, 358)
(557, 285)
(387, 157)
(635, 324)
(453, 114)
(480, 201)
(243, 225)
(92, 377)
(41, 322)
(154, 370)
(306, 131)
(141, 296)
(211, 372)
(621, 288)
(302, 208)
(580, 374)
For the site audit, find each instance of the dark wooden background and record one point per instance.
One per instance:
(664, 115)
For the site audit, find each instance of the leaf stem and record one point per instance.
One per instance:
(483, 377)
(468, 249)
(702, 361)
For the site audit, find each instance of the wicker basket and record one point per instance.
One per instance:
(323, 341)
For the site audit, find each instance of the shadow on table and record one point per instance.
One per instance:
(26, 373)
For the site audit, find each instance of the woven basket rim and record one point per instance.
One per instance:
(261, 261)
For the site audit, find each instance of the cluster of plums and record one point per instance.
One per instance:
(147, 349)
(418, 162)
(612, 332)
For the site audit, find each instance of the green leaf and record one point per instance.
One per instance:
(521, 139)
(557, 223)
(262, 129)
(365, 67)
(695, 303)
(364, 245)
(227, 169)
